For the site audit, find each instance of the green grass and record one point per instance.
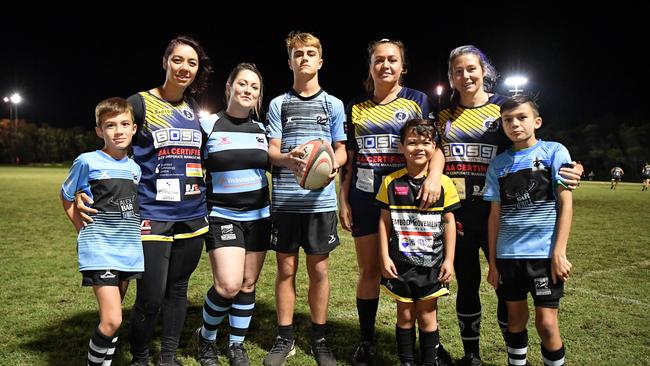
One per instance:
(46, 317)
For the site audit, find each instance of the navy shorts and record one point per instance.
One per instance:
(254, 236)
(518, 277)
(169, 231)
(365, 213)
(107, 277)
(316, 232)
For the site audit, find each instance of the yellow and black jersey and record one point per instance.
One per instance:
(470, 139)
(416, 236)
(373, 134)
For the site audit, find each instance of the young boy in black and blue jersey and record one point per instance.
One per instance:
(528, 229)
(109, 247)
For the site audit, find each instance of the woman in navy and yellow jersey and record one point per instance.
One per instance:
(236, 157)
(471, 136)
(171, 195)
(373, 124)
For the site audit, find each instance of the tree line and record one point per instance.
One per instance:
(599, 144)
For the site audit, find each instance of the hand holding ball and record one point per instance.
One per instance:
(319, 158)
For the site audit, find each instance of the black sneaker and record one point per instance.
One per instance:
(175, 362)
(471, 359)
(207, 350)
(282, 348)
(322, 353)
(364, 354)
(443, 358)
(237, 355)
(135, 362)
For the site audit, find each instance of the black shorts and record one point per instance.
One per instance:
(415, 284)
(107, 277)
(169, 231)
(315, 232)
(645, 176)
(518, 277)
(365, 213)
(616, 179)
(254, 236)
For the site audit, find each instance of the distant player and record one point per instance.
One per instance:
(645, 176)
(109, 248)
(617, 173)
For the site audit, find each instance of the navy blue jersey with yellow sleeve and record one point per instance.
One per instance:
(167, 147)
(416, 236)
(470, 139)
(373, 134)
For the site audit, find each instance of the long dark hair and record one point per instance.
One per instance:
(490, 72)
(205, 67)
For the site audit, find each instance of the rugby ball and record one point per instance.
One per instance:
(320, 162)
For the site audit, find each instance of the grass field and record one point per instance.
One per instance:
(46, 317)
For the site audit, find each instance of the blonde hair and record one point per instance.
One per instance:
(111, 107)
(296, 39)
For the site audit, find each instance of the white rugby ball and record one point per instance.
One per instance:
(320, 163)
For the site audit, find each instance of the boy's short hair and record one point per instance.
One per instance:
(517, 100)
(111, 107)
(420, 127)
(296, 39)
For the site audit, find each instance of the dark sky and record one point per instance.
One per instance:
(582, 67)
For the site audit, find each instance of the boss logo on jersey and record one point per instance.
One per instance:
(491, 124)
(386, 141)
(192, 189)
(176, 137)
(400, 115)
(473, 152)
(188, 113)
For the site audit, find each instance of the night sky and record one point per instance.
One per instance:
(581, 67)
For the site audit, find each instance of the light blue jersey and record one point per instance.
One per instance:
(524, 182)
(112, 240)
(296, 120)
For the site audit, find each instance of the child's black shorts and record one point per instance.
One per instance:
(254, 236)
(518, 277)
(415, 284)
(107, 277)
(315, 232)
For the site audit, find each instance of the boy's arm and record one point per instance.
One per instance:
(345, 212)
(493, 232)
(72, 213)
(430, 190)
(388, 269)
(291, 160)
(449, 243)
(560, 265)
(340, 158)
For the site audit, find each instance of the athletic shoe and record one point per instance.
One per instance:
(471, 359)
(281, 350)
(443, 358)
(237, 355)
(322, 353)
(364, 354)
(207, 350)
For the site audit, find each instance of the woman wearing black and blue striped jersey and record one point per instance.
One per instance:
(235, 156)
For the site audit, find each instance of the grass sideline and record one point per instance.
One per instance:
(47, 316)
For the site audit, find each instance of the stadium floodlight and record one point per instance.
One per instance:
(204, 113)
(515, 82)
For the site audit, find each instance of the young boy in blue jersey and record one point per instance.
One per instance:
(528, 230)
(416, 246)
(109, 247)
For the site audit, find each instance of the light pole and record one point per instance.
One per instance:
(13, 101)
(439, 93)
(515, 82)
